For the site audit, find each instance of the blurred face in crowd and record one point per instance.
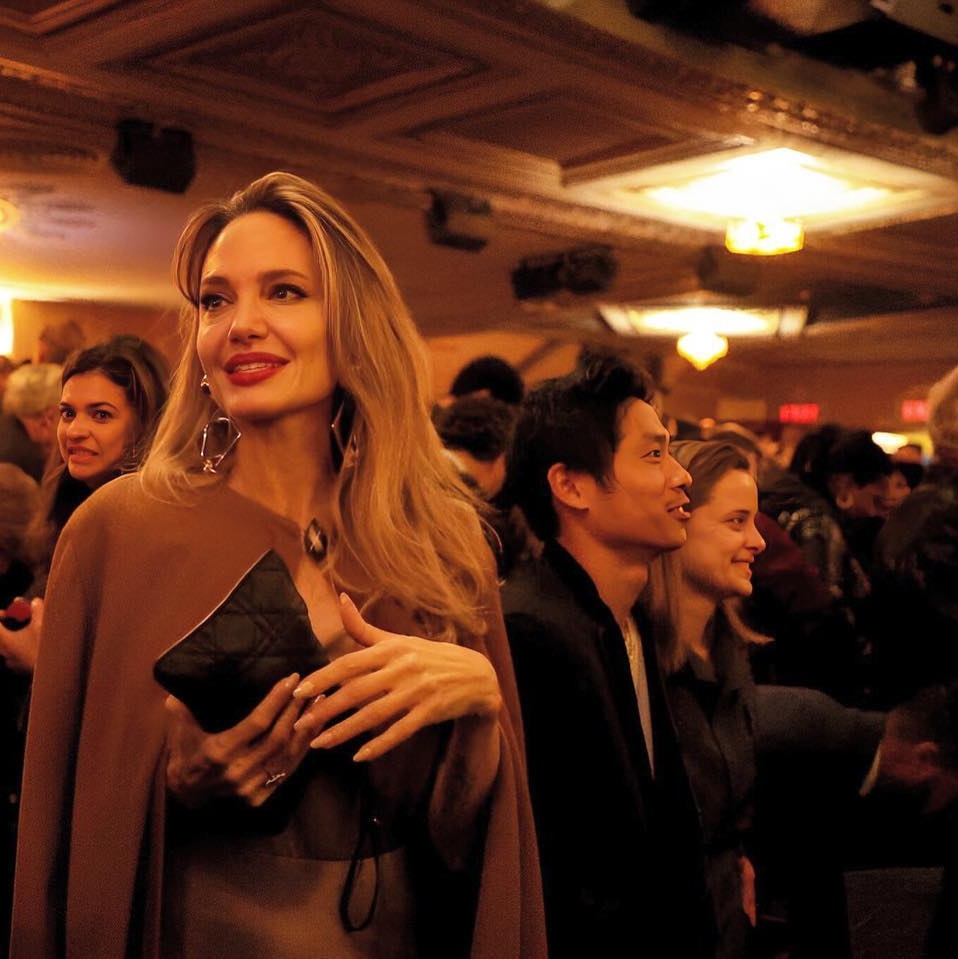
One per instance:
(859, 502)
(96, 428)
(896, 490)
(262, 323)
(723, 540)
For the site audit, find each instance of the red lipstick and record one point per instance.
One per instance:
(248, 369)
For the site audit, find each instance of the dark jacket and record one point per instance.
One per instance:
(621, 852)
(713, 706)
(916, 591)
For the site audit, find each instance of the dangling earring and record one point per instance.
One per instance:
(345, 445)
(223, 443)
(205, 386)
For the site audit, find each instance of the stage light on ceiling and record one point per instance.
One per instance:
(671, 319)
(703, 329)
(764, 238)
(702, 348)
(817, 189)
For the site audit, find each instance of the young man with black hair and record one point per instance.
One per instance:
(619, 836)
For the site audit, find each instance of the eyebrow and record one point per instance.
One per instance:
(90, 406)
(266, 277)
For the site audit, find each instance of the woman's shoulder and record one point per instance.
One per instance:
(124, 509)
(121, 497)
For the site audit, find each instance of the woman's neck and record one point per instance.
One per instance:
(697, 612)
(288, 471)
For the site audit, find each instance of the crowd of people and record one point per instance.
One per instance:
(308, 664)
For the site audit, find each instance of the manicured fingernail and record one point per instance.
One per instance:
(344, 600)
(362, 755)
(323, 739)
(291, 681)
(304, 689)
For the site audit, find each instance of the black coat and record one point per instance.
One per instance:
(621, 852)
(713, 706)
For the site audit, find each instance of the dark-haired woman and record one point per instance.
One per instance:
(110, 401)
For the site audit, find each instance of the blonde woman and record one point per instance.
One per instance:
(691, 597)
(375, 807)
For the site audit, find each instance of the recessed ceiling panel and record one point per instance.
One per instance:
(560, 127)
(39, 17)
(314, 60)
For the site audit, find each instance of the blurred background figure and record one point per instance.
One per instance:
(111, 398)
(7, 366)
(832, 504)
(489, 376)
(916, 567)
(110, 401)
(476, 432)
(56, 341)
(28, 422)
(19, 496)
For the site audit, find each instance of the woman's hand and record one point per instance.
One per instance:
(18, 648)
(397, 685)
(248, 760)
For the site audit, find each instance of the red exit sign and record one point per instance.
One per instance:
(798, 413)
(914, 411)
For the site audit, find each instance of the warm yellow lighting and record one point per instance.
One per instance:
(9, 215)
(6, 324)
(773, 185)
(821, 187)
(890, 442)
(724, 320)
(764, 238)
(702, 348)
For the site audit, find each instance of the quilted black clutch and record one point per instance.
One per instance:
(260, 633)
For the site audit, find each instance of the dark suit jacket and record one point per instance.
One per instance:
(621, 851)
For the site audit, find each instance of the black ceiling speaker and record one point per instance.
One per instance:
(722, 272)
(581, 271)
(159, 159)
(457, 221)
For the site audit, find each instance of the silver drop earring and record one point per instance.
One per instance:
(205, 386)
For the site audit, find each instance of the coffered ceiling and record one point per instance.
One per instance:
(505, 118)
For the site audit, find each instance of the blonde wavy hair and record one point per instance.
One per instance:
(402, 518)
(707, 463)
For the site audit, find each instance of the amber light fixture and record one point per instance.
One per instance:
(764, 238)
(702, 348)
(703, 330)
(764, 201)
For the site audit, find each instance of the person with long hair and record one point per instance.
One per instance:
(374, 807)
(702, 640)
(111, 398)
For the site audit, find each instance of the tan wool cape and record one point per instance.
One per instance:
(132, 575)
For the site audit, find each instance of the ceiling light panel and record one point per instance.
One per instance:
(828, 189)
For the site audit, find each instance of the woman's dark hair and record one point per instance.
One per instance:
(143, 374)
(575, 420)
